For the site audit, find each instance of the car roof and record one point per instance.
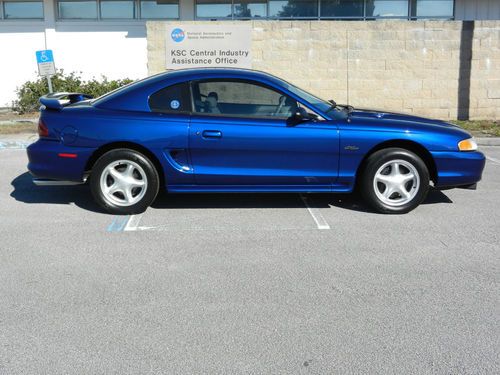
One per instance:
(190, 73)
(135, 95)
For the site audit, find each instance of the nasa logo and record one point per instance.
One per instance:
(177, 35)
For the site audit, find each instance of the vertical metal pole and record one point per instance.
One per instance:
(49, 81)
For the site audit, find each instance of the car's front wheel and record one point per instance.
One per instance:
(394, 180)
(124, 181)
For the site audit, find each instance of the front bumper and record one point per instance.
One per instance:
(46, 162)
(457, 169)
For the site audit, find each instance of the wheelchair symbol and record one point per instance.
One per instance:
(43, 56)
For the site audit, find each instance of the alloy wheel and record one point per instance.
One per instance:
(123, 183)
(396, 182)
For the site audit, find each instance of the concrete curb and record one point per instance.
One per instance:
(492, 141)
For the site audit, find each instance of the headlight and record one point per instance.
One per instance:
(467, 145)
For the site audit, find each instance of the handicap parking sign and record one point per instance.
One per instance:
(44, 56)
(45, 60)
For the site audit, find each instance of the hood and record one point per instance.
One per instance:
(384, 116)
(405, 122)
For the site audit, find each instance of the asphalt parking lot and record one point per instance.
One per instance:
(248, 283)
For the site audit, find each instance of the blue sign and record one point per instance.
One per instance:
(174, 104)
(44, 56)
(177, 35)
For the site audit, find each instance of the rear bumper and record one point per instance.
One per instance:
(48, 160)
(458, 169)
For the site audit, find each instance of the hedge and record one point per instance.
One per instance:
(29, 92)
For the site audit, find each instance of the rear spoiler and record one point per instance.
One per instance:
(58, 100)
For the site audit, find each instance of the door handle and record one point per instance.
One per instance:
(211, 134)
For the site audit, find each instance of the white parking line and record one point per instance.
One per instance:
(129, 223)
(118, 223)
(321, 223)
(132, 223)
(496, 161)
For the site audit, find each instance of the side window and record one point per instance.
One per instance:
(241, 98)
(171, 99)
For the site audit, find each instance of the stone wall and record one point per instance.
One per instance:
(419, 67)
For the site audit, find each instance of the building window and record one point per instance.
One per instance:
(250, 8)
(342, 8)
(165, 9)
(433, 9)
(23, 10)
(121, 9)
(214, 8)
(78, 9)
(293, 8)
(386, 8)
(233, 9)
(117, 9)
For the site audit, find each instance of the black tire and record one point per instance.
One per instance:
(417, 191)
(111, 203)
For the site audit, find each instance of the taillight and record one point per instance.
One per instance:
(43, 131)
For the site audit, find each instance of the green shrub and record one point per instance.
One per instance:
(29, 92)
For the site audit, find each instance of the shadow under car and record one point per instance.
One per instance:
(25, 191)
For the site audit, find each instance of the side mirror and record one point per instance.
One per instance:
(299, 116)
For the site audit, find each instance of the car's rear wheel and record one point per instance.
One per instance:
(124, 181)
(394, 180)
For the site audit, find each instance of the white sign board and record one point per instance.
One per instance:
(194, 46)
(45, 61)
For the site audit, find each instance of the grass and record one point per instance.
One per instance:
(481, 128)
(18, 128)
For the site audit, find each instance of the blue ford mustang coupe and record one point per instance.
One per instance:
(233, 130)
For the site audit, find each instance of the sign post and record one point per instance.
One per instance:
(46, 66)
(195, 46)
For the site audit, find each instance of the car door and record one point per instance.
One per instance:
(240, 135)
(167, 131)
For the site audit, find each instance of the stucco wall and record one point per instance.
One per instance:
(412, 67)
(113, 51)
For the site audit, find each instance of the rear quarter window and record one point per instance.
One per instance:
(171, 99)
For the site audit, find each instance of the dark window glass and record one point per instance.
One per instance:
(293, 8)
(213, 8)
(241, 99)
(77, 9)
(387, 8)
(250, 8)
(117, 8)
(152, 9)
(23, 9)
(171, 99)
(342, 8)
(433, 8)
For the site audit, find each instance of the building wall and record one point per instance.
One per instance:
(113, 51)
(116, 49)
(412, 67)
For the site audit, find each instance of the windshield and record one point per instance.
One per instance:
(322, 105)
